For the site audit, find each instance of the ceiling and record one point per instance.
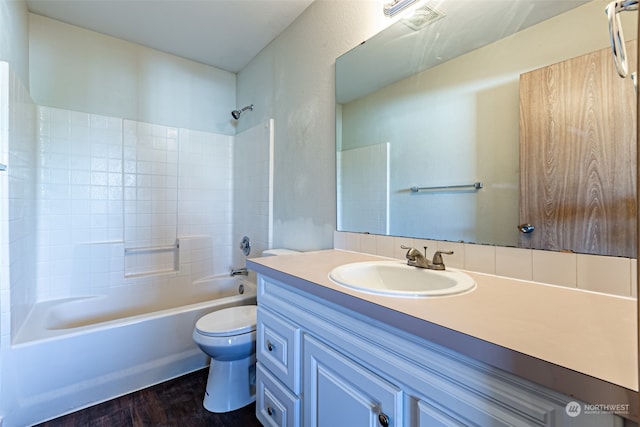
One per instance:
(225, 34)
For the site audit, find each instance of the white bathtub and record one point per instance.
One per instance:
(77, 352)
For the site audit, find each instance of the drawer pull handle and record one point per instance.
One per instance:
(270, 346)
(270, 411)
(384, 420)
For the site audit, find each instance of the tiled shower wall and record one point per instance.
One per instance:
(17, 212)
(123, 202)
(205, 213)
(363, 188)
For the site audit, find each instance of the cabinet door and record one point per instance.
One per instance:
(340, 392)
(428, 416)
(578, 156)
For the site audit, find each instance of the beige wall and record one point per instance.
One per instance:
(81, 70)
(292, 80)
(14, 37)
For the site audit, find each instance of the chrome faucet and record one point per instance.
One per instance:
(415, 258)
(239, 272)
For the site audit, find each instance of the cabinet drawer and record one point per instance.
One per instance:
(278, 348)
(275, 405)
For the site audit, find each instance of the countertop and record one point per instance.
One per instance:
(585, 332)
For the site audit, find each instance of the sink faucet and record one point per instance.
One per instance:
(239, 272)
(416, 259)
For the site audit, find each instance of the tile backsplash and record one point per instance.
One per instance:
(604, 274)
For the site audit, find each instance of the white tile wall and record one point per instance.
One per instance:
(150, 181)
(364, 191)
(82, 188)
(19, 207)
(611, 275)
(151, 184)
(80, 199)
(5, 289)
(108, 187)
(204, 201)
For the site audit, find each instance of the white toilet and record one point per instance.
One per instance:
(228, 336)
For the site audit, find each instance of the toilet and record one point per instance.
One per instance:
(228, 336)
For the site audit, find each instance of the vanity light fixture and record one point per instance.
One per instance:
(396, 6)
(421, 17)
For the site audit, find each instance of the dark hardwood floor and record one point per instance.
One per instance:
(177, 402)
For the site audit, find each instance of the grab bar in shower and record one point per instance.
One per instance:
(474, 186)
(153, 248)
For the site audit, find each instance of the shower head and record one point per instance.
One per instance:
(236, 113)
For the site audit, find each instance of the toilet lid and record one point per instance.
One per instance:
(228, 322)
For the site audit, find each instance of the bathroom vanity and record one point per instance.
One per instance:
(328, 355)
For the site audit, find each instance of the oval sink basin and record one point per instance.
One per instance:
(395, 278)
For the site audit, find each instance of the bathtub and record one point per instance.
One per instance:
(76, 352)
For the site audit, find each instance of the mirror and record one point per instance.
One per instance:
(432, 122)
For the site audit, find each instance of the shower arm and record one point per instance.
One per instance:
(236, 113)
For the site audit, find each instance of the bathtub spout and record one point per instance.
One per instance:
(239, 272)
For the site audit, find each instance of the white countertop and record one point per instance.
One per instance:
(588, 332)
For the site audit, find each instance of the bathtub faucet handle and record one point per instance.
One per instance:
(239, 272)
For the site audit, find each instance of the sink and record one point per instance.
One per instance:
(395, 278)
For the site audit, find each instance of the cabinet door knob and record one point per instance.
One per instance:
(384, 420)
(526, 228)
(270, 346)
(270, 411)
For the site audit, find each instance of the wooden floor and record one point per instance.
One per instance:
(174, 403)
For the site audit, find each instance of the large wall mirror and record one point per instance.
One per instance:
(496, 122)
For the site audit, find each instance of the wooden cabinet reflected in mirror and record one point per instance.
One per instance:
(578, 156)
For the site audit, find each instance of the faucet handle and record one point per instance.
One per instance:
(437, 258)
(410, 248)
(410, 252)
(413, 252)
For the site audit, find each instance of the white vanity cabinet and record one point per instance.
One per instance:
(340, 392)
(321, 364)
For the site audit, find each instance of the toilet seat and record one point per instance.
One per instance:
(228, 322)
